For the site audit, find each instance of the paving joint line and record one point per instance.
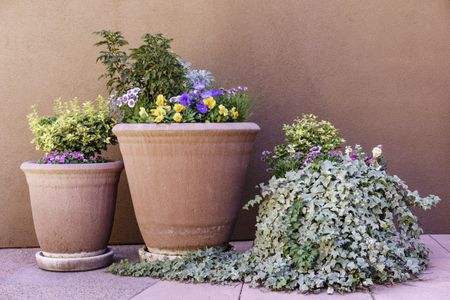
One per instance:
(240, 291)
(431, 236)
(144, 289)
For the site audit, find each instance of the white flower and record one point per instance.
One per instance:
(377, 151)
(348, 150)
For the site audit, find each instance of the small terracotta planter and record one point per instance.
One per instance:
(73, 210)
(186, 181)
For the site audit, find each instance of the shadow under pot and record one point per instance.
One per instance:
(186, 182)
(73, 211)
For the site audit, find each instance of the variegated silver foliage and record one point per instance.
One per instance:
(339, 225)
(358, 217)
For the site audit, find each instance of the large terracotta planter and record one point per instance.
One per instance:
(186, 181)
(73, 210)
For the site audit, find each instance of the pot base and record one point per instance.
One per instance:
(71, 264)
(147, 256)
(157, 254)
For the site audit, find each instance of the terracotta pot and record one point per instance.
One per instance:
(73, 208)
(186, 181)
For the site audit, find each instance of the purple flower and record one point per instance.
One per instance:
(233, 91)
(217, 93)
(134, 91)
(131, 103)
(315, 149)
(202, 108)
(185, 100)
(264, 154)
(56, 157)
(206, 94)
(335, 153)
(353, 156)
(199, 85)
(314, 152)
(77, 155)
(212, 93)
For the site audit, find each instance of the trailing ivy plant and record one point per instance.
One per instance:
(338, 222)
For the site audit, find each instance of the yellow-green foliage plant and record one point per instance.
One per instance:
(303, 134)
(75, 133)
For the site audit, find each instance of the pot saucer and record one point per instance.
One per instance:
(71, 264)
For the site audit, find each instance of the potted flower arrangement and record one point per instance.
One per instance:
(184, 143)
(72, 188)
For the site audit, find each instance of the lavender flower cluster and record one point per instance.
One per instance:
(130, 98)
(66, 157)
(313, 153)
(234, 91)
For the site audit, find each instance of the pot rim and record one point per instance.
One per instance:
(231, 126)
(110, 165)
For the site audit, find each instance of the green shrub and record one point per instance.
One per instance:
(152, 67)
(85, 128)
(301, 136)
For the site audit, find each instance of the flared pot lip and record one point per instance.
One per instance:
(193, 127)
(107, 166)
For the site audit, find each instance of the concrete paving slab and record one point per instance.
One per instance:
(21, 279)
(436, 249)
(249, 293)
(27, 281)
(12, 260)
(443, 240)
(242, 246)
(416, 291)
(170, 290)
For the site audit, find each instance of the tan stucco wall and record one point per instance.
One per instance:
(379, 70)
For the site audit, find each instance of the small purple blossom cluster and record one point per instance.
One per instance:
(130, 98)
(66, 157)
(335, 153)
(264, 155)
(236, 90)
(313, 153)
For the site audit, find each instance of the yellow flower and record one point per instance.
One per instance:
(159, 111)
(142, 112)
(210, 102)
(223, 110)
(177, 117)
(160, 100)
(178, 107)
(234, 113)
(159, 119)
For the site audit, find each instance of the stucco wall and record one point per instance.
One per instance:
(379, 70)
